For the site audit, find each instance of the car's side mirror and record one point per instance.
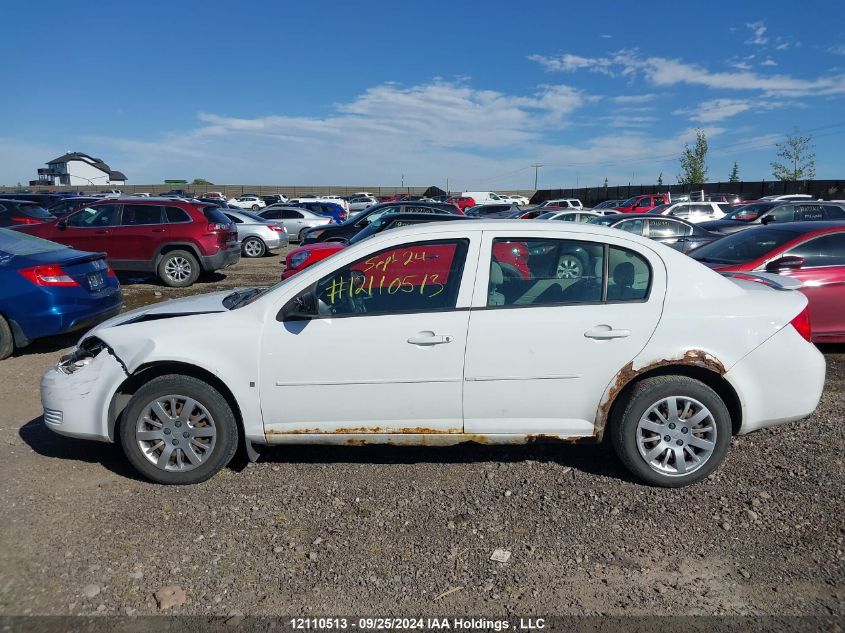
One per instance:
(767, 219)
(301, 307)
(787, 262)
(61, 224)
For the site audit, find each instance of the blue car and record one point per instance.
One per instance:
(330, 209)
(47, 289)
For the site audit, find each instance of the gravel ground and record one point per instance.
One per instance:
(411, 531)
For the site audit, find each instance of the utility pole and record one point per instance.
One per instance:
(536, 168)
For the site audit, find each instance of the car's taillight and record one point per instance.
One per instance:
(19, 219)
(49, 275)
(273, 227)
(214, 227)
(110, 272)
(802, 324)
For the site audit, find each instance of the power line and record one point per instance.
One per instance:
(536, 170)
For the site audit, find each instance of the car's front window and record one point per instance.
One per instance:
(417, 277)
(99, 216)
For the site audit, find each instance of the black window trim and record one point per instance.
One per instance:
(167, 221)
(162, 214)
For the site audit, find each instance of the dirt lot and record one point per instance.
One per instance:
(387, 531)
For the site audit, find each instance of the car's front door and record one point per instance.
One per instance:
(384, 351)
(141, 230)
(543, 345)
(671, 232)
(90, 229)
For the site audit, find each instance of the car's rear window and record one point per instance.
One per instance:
(36, 211)
(214, 214)
(15, 243)
(743, 246)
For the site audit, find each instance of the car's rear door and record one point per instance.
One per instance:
(670, 232)
(140, 232)
(386, 353)
(544, 345)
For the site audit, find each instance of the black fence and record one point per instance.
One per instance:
(590, 196)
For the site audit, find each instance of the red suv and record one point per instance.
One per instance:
(462, 202)
(643, 203)
(173, 239)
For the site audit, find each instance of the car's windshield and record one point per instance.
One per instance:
(658, 210)
(743, 246)
(14, 243)
(607, 220)
(546, 215)
(748, 212)
(629, 202)
(253, 217)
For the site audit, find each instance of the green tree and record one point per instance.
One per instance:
(694, 161)
(605, 182)
(799, 162)
(734, 177)
(201, 181)
(660, 180)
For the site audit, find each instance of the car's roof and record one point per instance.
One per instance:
(16, 201)
(623, 216)
(808, 227)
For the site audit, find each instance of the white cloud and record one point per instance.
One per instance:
(758, 33)
(715, 110)
(837, 50)
(643, 98)
(768, 62)
(606, 36)
(661, 71)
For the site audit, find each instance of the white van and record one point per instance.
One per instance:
(485, 197)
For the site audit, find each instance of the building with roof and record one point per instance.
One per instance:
(78, 169)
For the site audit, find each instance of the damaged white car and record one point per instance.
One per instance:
(500, 332)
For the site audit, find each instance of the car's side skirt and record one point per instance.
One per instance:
(420, 439)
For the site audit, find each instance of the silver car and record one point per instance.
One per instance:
(297, 221)
(257, 235)
(360, 203)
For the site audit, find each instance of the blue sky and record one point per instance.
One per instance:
(362, 93)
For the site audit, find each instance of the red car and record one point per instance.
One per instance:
(462, 202)
(643, 203)
(512, 256)
(810, 252)
(173, 239)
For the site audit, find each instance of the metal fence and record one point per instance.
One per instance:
(291, 191)
(825, 189)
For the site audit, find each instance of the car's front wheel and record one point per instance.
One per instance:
(255, 207)
(673, 431)
(178, 269)
(178, 430)
(254, 247)
(302, 235)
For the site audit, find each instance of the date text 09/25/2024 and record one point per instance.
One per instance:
(423, 624)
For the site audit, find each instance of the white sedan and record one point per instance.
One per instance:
(441, 334)
(253, 203)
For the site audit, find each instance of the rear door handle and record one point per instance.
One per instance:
(158, 230)
(604, 332)
(429, 338)
(101, 232)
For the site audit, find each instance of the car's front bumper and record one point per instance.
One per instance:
(77, 405)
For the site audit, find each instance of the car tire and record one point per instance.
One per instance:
(7, 340)
(255, 207)
(640, 430)
(302, 235)
(213, 425)
(569, 266)
(253, 247)
(178, 269)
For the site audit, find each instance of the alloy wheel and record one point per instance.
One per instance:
(176, 433)
(568, 267)
(178, 268)
(253, 248)
(676, 435)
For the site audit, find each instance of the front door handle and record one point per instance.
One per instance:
(605, 332)
(429, 338)
(101, 232)
(158, 230)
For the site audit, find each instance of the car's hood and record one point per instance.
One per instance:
(330, 247)
(202, 304)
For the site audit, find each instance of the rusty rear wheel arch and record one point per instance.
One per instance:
(145, 373)
(709, 377)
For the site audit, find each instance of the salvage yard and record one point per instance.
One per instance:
(410, 531)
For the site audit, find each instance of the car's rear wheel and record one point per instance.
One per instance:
(255, 207)
(569, 266)
(254, 247)
(178, 430)
(302, 235)
(672, 432)
(7, 341)
(178, 269)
